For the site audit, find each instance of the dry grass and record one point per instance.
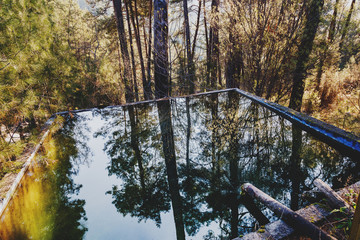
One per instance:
(338, 100)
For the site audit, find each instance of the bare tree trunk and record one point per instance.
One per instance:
(190, 64)
(124, 50)
(234, 61)
(326, 47)
(132, 51)
(214, 43)
(147, 91)
(149, 47)
(304, 50)
(208, 62)
(196, 30)
(161, 61)
(343, 35)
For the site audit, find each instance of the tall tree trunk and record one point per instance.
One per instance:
(190, 64)
(196, 30)
(161, 61)
(326, 47)
(149, 47)
(208, 61)
(129, 96)
(147, 91)
(234, 60)
(132, 51)
(304, 50)
(214, 43)
(343, 58)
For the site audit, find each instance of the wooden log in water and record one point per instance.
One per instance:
(291, 218)
(334, 199)
(248, 202)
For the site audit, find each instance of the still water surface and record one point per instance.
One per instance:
(167, 170)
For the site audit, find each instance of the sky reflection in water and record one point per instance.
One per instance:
(167, 170)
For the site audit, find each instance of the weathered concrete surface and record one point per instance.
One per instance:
(278, 229)
(255, 236)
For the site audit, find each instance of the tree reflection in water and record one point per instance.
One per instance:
(187, 156)
(133, 150)
(45, 205)
(167, 137)
(193, 154)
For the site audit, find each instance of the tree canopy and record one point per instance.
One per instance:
(55, 56)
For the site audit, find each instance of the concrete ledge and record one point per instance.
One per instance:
(345, 142)
(27, 164)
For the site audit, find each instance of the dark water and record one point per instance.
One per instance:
(167, 170)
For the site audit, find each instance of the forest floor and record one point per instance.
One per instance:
(7, 181)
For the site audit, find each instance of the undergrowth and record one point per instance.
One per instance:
(337, 101)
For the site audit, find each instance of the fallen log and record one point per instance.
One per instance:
(291, 218)
(248, 202)
(334, 199)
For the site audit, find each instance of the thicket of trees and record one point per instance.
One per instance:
(55, 56)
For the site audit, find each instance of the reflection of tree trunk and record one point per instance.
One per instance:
(234, 180)
(135, 146)
(188, 132)
(189, 182)
(294, 169)
(233, 161)
(167, 137)
(214, 135)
